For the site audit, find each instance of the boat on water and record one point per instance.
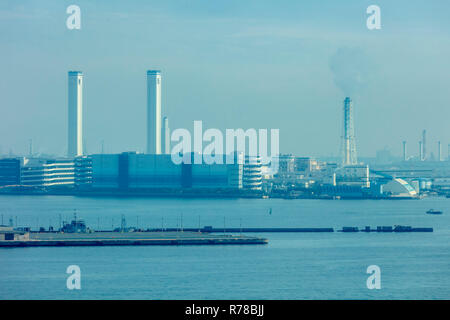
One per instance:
(431, 211)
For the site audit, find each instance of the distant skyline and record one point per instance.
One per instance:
(284, 65)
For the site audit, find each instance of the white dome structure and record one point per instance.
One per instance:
(399, 187)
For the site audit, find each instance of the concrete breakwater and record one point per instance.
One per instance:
(209, 229)
(386, 229)
(130, 239)
(188, 236)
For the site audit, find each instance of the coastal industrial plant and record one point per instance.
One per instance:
(155, 174)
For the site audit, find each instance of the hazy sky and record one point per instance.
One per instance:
(232, 64)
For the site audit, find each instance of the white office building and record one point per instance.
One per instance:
(75, 104)
(154, 112)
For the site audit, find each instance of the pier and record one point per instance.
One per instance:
(57, 239)
(386, 229)
(209, 229)
(170, 236)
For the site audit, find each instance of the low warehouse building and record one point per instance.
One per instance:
(8, 233)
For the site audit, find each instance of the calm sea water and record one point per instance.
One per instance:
(291, 266)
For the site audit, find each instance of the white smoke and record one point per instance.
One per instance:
(352, 70)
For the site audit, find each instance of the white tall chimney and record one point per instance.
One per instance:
(75, 105)
(154, 112)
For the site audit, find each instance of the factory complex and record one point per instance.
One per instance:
(155, 172)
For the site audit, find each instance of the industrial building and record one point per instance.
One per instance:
(9, 233)
(325, 174)
(286, 163)
(303, 170)
(83, 171)
(132, 170)
(286, 170)
(305, 164)
(252, 173)
(10, 171)
(38, 172)
(353, 175)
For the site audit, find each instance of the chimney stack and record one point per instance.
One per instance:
(404, 151)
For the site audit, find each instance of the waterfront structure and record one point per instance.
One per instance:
(305, 164)
(442, 184)
(327, 174)
(286, 169)
(75, 113)
(105, 171)
(286, 163)
(83, 171)
(304, 171)
(169, 238)
(252, 173)
(149, 171)
(320, 173)
(132, 170)
(353, 175)
(308, 167)
(348, 136)
(416, 170)
(166, 136)
(76, 226)
(415, 184)
(40, 172)
(10, 171)
(399, 188)
(10, 234)
(154, 112)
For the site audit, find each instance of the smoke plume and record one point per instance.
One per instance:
(351, 70)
